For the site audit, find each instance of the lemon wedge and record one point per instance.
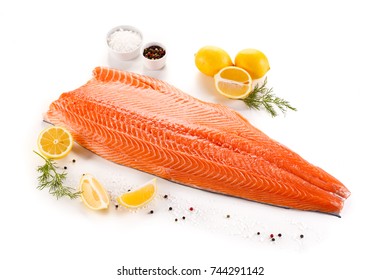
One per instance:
(140, 196)
(93, 194)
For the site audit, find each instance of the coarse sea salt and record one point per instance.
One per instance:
(124, 40)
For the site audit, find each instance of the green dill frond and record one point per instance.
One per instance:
(263, 97)
(53, 180)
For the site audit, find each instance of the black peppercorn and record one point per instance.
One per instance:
(153, 52)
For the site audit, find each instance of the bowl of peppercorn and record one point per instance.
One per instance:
(154, 55)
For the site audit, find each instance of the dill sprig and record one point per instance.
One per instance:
(263, 97)
(53, 180)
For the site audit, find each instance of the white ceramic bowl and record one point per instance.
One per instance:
(154, 64)
(122, 45)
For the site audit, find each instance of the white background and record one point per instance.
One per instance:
(324, 57)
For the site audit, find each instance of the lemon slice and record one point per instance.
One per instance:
(93, 194)
(139, 197)
(55, 142)
(233, 82)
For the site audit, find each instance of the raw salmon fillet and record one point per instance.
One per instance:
(147, 124)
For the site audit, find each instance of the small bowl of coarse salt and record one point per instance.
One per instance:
(125, 41)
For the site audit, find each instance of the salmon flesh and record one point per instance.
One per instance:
(148, 124)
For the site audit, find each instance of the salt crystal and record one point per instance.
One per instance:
(124, 40)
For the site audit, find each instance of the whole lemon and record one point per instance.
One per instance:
(210, 60)
(253, 61)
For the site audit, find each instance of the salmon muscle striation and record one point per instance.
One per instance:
(150, 125)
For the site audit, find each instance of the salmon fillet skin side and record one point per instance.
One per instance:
(147, 124)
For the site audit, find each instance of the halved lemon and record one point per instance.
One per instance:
(55, 142)
(140, 196)
(93, 194)
(233, 82)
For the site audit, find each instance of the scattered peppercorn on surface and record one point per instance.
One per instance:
(172, 206)
(140, 197)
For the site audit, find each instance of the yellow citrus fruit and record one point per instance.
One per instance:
(210, 59)
(140, 196)
(55, 142)
(253, 61)
(93, 194)
(233, 82)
